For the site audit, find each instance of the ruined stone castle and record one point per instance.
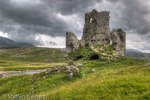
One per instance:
(96, 31)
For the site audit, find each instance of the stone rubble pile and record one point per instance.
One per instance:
(70, 69)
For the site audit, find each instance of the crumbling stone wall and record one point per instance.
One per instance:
(118, 37)
(96, 31)
(72, 42)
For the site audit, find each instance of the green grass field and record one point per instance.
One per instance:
(32, 54)
(29, 58)
(117, 78)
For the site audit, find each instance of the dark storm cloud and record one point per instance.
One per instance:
(24, 14)
(114, 1)
(134, 19)
(67, 7)
(30, 17)
(24, 19)
(133, 15)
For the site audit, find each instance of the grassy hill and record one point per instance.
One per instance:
(32, 54)
(30, 57)
(132, 53)
(7, 43)
(106, 78)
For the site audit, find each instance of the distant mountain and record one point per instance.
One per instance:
(26, 45)
(132, 53)
(132, 50)
(6, 43)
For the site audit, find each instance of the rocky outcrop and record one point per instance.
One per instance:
(96, 31)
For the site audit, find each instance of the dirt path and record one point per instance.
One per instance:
(4, 72)
(26, 72)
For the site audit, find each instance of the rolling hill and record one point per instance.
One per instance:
(6, 43)
(132, 50)
(105, 78)
(30, 58)
(32, 54)
(132, 53)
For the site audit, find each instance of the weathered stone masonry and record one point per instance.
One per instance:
(96, 31)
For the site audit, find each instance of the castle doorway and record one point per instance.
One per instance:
(86, 45)
(94, 56)
(78, 57)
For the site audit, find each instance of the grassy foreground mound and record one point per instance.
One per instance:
(102, 51)
(106, 78)
(126, 79)
(125, 83)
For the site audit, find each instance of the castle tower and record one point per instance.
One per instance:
(96, 28)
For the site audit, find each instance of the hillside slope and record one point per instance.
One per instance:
(29, 58)
(104, 78)
(124, 83)
(25, 44)
(32, 54)
(132, 53)
(132, 50)
(7, 43)
(115, 79)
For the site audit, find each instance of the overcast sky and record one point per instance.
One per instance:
(45, 22)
